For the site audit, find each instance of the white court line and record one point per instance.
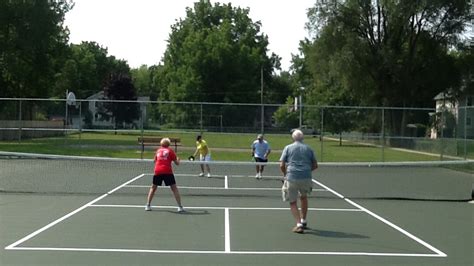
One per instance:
(385, 221)
(230, 252)
(226, 182)
(219, 208)
(227, 231)
(472, 201)
(435, 250)
(70, 214)
(218, 188)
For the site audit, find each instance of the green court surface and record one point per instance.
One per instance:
(230, 220)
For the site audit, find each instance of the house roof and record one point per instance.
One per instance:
(441, 96)
(97, 95)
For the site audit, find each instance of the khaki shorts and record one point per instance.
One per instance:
(291, 190)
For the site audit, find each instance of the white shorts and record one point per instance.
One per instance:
(206, 158)
(292, 189)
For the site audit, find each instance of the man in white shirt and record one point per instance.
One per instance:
(260, 151)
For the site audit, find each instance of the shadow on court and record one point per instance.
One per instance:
(333, 234)
(186, 212)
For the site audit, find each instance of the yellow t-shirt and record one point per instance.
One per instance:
(202, 147)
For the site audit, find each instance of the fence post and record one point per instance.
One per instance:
(443, 124)
(322, 134)
(19, 122)
(465, 132)
(383, 135)
(200, 120)
(80, 119)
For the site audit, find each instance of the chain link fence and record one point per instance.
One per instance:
(446, 131)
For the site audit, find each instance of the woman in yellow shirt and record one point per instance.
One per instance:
(204, 155)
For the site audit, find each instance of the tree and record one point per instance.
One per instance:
(119, 87)
(388, 53)
(33, 44)
(286, 116)
(216, 54)
(148, 80)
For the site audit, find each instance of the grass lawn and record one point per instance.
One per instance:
(227, 147)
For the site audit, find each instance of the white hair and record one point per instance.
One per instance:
(165, 142)
(297, 135)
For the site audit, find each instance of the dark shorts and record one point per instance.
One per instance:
(168, 178)
(260, 160)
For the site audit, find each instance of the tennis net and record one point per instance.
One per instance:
(55, 174)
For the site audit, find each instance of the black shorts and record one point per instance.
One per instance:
(168, 178)
(260, 160)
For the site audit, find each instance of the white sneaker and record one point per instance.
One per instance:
(257, 175)
(147, 208)
(208, 174)
(201, 174)
(180, 209)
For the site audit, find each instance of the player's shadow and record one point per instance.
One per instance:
(186, 212)
(192, 212)
(333, 234)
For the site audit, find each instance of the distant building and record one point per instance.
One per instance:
(457, 120)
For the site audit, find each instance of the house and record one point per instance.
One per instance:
(457, 121)
(99, 117)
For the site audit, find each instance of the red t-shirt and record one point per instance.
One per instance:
(163, 159)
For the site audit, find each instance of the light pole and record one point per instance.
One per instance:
(301, 105)
(262, 116)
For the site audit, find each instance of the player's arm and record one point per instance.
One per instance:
(267, 153)
(314, 165)
(314, 162)
(177, 160)
(283, 168)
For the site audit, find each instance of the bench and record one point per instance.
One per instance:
(155, 141)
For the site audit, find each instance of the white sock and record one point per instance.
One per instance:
(299, 225)
(303, 221)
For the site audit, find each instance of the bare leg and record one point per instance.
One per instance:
(304, 207)
(202, 168)
(151, 193)
(208, 168)
(295, 212)
(175, 190)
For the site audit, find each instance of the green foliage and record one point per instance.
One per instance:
(286, 116)
(33, 43)
(392, 53)
(119, 86)
(216, 54)
(383, 53)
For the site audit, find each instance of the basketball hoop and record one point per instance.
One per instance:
(71, 98)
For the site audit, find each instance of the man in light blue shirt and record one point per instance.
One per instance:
(297, 161)
(260, 151)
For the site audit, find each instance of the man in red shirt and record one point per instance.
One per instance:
(164, 172)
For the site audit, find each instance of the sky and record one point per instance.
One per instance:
(137, 30)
